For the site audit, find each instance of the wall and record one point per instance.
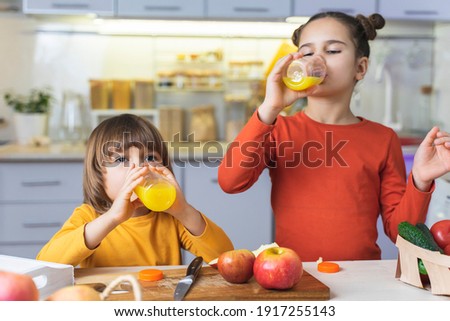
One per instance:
(441, 112)
(66, 60)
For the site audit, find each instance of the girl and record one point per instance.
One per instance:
(112, 227)
(332, 172)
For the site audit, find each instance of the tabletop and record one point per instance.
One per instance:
(356, 281)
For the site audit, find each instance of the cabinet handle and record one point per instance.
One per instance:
(162, 8)
(41, 183)
(42, 225)
(421, 12)
(214, 180)
(349, 11)
(250, 9)
(60, 5)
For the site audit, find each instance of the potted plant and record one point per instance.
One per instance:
(30, 113)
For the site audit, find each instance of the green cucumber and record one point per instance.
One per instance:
(426, 231)
(422, 269)
(416, 236)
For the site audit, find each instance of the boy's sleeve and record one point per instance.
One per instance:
(210, 244)
(67, 246)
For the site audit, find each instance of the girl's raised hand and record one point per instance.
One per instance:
(432, 159)
(278, 96)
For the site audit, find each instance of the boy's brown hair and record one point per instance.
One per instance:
(115, 134)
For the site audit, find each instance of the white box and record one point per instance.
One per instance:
(47, 276)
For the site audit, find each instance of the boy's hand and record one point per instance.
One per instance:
(181, 209)
(180, 203)
(123, 206)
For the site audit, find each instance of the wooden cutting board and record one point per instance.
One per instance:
(210, 286)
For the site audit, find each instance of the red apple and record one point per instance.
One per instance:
(236, 266)
(278, 268)
(441, 234)
(17, 287)
(447, 250)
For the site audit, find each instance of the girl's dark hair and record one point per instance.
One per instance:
(115, 134)
(361, 28)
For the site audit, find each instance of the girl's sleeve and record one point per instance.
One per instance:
(67, 246)
(210, 244)
(400, 202)
(246, 156)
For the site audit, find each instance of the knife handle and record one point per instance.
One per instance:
(195, 266)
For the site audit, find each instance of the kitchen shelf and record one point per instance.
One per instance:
(181, 90)
(101, 114)
(244, 79)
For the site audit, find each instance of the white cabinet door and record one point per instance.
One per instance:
(433, 10)
(245, 217)
(32, 222)
(36, 198)
(248, 9)
(351, 7)
(161, 8)
(40, 182)
(100, 7)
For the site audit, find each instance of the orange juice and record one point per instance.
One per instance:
(305, 72)
(158, 196)
(302, 83)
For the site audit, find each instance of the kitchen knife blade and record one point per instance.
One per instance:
(185, 283)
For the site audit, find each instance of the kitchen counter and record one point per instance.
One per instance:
(370, 280)
(357, 281)
(75, 152)
(55, 152)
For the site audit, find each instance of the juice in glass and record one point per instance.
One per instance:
(157, 196)
(304, 73)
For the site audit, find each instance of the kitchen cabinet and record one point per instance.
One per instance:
(161, 8)
(249, 9)
(351, 7)
(69, 7)
(245, 217)
(36, 198)
(432, 10)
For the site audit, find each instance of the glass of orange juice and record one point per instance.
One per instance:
(156, 192)
(305, 72)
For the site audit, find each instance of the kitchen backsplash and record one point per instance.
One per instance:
(441, 80)
(66, 61)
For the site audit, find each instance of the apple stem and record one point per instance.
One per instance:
(123, 278)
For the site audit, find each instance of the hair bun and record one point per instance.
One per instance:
(371, 24)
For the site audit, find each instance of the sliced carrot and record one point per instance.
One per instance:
(328, 267)
(150, 275)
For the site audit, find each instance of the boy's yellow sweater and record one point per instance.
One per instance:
(153, 239)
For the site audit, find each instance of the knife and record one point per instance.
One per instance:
(191, 274)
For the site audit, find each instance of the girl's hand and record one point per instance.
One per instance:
(432, 159)
(181, 209)
(278, 96)
(123, 207)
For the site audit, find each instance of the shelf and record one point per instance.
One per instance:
(188, 90)
(244, 79)
(98, 115)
